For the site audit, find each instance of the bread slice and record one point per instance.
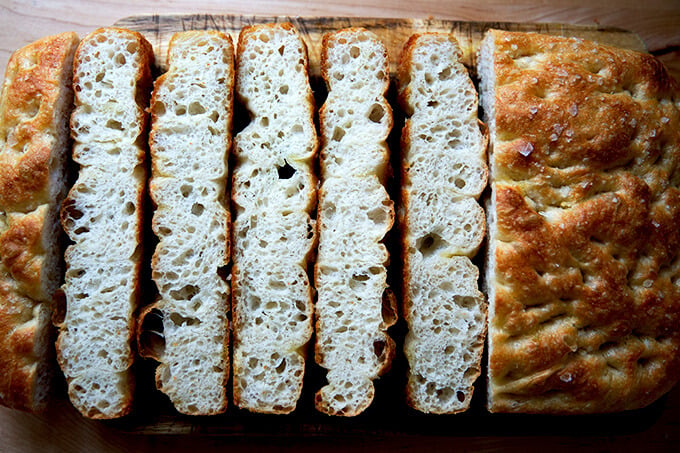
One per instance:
(354, 215)
(103, 217)
(190, 138)
(443, 172)
(274, 192)
(584, 245)
(35, 107)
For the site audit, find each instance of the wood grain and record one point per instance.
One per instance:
(158, 29)
(655, 21)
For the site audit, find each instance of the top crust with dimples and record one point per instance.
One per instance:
(585, 246)
(35, 105)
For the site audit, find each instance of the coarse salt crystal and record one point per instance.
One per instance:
(553, 137)
(615, 200)
(513, 46)
(566, 377)
(573, 109)
(664, 120)
(533, 110)
(526, 149)
(647, 283)
(562, 73)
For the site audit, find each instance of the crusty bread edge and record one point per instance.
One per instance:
(143, 83)
(404, 78)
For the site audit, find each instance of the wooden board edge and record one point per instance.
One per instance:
(394, 32)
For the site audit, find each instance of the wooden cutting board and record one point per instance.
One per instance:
(158, 29)
(389, 414)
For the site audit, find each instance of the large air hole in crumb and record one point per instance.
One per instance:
(277, 284)
(444, 394)
(465, 301)
(113, 124)
(129, 208)
(180, 320)
(71, 211)
(282, 367)
(197, 209)
(430, 244)
(376, 113)
(185, 190)
(286, 171)
(338, 133)
(375, 270)
(195, 108)
(358, 281)
(354, 51)
(187, 292)
(377, 216)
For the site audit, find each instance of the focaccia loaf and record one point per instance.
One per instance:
(443, 172)
(584, 244)
(190, 139)
(103, 217)
(354, 215)
(274, 192)
(35, 107)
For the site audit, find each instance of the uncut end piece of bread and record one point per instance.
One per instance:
(35, 107)
(273, 191)
(443, 172)
(584, 245)
(102, 215)
(354, 215)
(190, 138)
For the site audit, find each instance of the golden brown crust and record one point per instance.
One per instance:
(586, 156)
(34, 107)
